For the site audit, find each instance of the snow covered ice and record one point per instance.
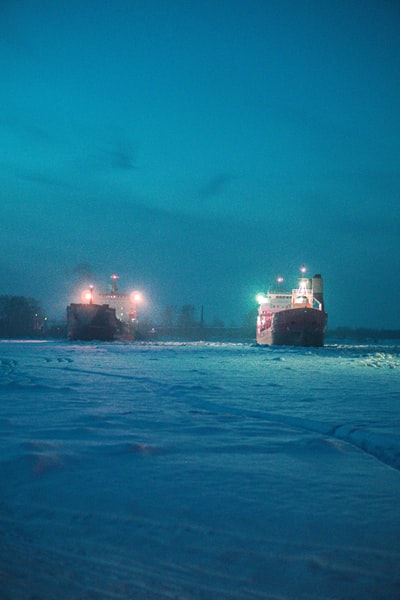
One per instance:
(199, 471)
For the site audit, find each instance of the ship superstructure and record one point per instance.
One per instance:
(125, 305)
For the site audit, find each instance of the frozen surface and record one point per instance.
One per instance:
(199, 471)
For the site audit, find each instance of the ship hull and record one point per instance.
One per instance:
(88, 322)
(294, 327)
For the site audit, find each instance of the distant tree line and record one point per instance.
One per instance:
(363, 334)
(183, 317)
(19, 317)
(190, 317)
(187, 317)
(189, 322)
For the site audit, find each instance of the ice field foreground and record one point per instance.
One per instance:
(199, 471)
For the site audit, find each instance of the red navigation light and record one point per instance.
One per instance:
(87, 295)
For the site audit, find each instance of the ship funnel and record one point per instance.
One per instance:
(317, 285)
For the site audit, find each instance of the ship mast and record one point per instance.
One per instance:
(114, 287)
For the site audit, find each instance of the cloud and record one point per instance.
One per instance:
(122, 156)
(41, 179)
(25, 127)
(215, 186)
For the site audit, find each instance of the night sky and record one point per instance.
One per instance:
(200, 149)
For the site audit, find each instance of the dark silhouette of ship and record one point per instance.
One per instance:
(91, 322)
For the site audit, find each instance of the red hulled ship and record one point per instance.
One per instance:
(295, 318)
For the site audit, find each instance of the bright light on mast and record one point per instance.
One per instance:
(135, 298)
(87, 295)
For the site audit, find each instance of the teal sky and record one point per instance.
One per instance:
(199, 149)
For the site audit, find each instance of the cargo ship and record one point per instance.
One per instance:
(295, 318)
(114, 318)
